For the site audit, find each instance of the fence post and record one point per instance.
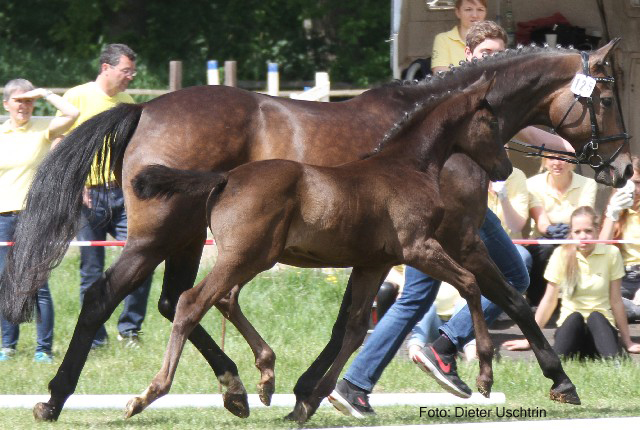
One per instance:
(213, 73)
(230, 74)
(175, 75)
(273, 79)
(322, 81)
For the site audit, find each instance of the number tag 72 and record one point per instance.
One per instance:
(583, 85)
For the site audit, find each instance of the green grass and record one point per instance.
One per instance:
(294, 310)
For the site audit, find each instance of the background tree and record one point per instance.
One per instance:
(55, 42)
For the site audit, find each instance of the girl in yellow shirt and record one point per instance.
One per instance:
(587, 277)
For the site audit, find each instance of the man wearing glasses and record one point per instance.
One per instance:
(103, 202)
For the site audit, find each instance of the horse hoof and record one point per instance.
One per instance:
(265, 392)
(237, 404)
(134, 407)
(567, 395)
(44, 412)
(289, 417)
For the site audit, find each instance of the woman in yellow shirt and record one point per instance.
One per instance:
(448, 47)
(24, 142)
(588, 278)
(554, 195)
(622, 221)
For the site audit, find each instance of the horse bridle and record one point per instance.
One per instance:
(588, 154)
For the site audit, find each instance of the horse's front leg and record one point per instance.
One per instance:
(309, 379)
(433, 261)
(192, 306)
(180, 273)
(365, 284)
(496, 289)
(265, 358)
(100, 300)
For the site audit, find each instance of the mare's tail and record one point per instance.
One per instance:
(158, 181)
(53, 205)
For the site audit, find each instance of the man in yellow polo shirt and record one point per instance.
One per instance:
(103, 210)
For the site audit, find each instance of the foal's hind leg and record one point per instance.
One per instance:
(99, 302)
(180, 273)
(441, 266)
(192, 306)
(496, 289)
(265, 358)
(365, 284)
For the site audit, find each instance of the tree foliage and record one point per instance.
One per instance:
(56, 42)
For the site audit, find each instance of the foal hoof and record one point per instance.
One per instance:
(265, 392)
(45, 412)
(134, 407)
(484, 387)
(237, 404)
(565, 395)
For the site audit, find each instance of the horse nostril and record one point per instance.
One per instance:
(628, 171)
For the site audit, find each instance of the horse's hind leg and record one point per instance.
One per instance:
(265, 358)
(181, 269)
(364, 287)
(192, 306)
(99, 302)
(496, 289)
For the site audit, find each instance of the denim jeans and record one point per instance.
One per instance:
(108, 216)
(45, 315)
(417, 296)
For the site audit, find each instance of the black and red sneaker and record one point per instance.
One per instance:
(442, 368)
(351, 400)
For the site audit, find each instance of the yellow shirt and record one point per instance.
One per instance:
(631, 230)
(446, 300)
(90, 101)
(21, 151)
(597, 271)
(448, 49)
(581, 192)
(516, 185)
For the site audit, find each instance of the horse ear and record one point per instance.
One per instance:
(598, 56)
(482, 87)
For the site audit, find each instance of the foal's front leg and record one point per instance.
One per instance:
(431, 259)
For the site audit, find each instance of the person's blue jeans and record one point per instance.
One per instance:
(108, 215)
(417, 296)
(45, 314)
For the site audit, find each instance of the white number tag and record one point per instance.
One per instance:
(583, 85)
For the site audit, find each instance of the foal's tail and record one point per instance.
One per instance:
(158, 181)
(53, 205)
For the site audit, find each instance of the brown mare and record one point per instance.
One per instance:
(369, 215)
(218, 128)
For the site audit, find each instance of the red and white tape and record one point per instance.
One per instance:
(516, 241)
(100, 243)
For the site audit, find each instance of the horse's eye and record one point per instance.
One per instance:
(606, 101)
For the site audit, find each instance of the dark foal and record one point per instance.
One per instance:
(218, 128)
(370, 214)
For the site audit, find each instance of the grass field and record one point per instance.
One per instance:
(293, 309)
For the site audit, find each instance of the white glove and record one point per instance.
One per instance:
(500, 190)
(620, 200)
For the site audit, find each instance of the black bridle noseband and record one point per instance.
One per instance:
(588, 154)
